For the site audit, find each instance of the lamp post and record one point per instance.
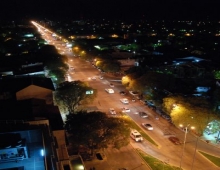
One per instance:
(184, 143)
(194, 155)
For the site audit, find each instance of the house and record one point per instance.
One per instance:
(31, 126)
(21, 88)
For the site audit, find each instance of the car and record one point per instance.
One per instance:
(134, 93)
(111, 85)
(125, 110)
(133, 100)
(165, 116)
(112, 111)
(136, 136)
(150, 103)
(122, 93)
(71, 68)
(109, 91)
(124, 100)
(147, 126)
(174, 140)
(143, 114)
(93, 78)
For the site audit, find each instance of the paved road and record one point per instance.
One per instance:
(166, 149)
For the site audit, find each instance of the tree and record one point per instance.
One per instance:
(57, 75)
(189, 110)
(216, 74)
(54, 63)
(89, 128)
(111, 66)
(71, 94)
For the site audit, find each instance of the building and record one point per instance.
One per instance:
(31, 127)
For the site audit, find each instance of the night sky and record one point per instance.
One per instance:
(113, 9)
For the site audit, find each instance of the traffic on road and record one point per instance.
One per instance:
(114, 99)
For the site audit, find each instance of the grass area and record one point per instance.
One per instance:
(213, 159)
(155, 163)
(135, 126)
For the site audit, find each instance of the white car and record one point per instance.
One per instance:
(147, 126)
(125, 110)
(124, 100)
(109, 90)
(136, 136)
(134, 93)
(112, 111)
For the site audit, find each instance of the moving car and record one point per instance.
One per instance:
(122, 93)
(125, 109)
(124, 100)
(71, 68)
(109, 90)
(147, 126)
(112, 111)
(111, 85)
(136, 136)
(143, 114)
(134, 93)
(175, 140)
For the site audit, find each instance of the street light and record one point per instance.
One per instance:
(184, 143)
(194, 155)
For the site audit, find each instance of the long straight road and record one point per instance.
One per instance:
(166, 151)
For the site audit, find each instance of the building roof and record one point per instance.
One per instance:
(15, 84)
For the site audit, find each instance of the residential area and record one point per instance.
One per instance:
(73, 91)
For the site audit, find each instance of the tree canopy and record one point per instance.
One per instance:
(108, 65)
(54, 62)
(71, 94)
(189, 110)
(96, 127)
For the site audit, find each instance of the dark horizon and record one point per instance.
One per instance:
(97, 9)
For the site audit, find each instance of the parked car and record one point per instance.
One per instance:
(167, 117)
(174, 140)
(149, 103)
(147, 126)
